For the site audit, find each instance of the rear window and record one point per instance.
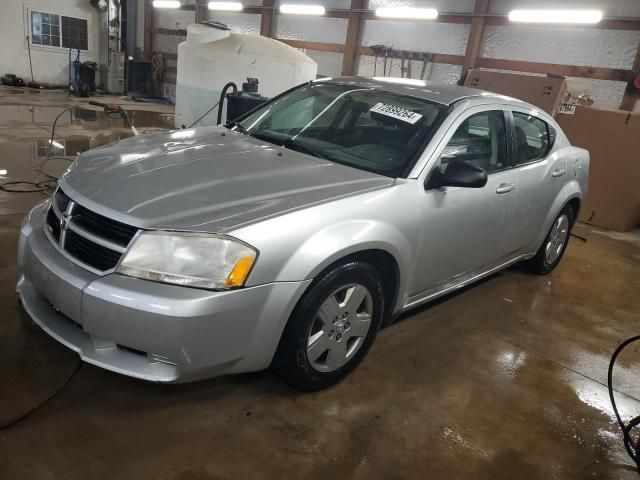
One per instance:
(532, 137)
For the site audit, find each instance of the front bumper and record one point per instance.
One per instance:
(149, 330)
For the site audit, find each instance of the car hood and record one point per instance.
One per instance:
(208, 179)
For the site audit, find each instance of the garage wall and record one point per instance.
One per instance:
(50, 64)
(548, 44)
(569, 45)
(170, 20)
(316, 29)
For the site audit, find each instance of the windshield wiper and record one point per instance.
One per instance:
(294, 144)
(241, 128)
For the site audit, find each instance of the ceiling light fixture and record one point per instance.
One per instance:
(402, 81)
(302, 9)
(407, 12)
(555, 16)
(225, 6)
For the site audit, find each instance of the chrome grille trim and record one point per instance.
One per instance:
(95, 239)
(93, 245)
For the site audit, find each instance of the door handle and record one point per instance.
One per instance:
(505, 188)
(558, 172)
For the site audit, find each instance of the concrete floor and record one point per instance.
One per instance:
(505, 379)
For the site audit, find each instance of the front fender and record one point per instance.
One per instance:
(297, 246)
(337, 241)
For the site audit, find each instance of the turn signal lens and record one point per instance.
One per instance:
(239, 272)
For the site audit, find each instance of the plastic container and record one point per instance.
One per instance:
(211, 56)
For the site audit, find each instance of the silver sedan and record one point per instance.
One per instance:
(287, 238)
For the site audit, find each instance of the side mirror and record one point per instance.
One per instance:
(458, 174)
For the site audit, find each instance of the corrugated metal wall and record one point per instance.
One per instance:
(548, 44)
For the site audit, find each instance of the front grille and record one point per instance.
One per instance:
(104, 227)
(61, 200)
(99, 257)
(75, 230)
(54, 224)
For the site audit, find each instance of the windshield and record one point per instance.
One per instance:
(373, 130)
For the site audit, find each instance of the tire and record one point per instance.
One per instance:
(328, 333)
(555, 243)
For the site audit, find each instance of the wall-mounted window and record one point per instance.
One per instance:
(58, 31)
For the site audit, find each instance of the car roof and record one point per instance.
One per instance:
(438, 93)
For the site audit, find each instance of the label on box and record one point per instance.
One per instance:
(567, 108)
(398, 113)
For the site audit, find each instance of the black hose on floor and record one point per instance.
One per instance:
(4, 424)
(632, 446)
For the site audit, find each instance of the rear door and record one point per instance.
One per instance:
(464, 229)
(541, 176)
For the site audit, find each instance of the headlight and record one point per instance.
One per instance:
(189, 259)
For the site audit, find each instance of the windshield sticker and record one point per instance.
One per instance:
(396, 112)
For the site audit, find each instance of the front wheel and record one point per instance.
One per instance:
(332, 327)
(548, 256)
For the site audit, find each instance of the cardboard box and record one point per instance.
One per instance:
(543, 92)
(613, 140)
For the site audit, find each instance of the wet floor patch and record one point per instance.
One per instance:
(29, 168)
(21, 91)
(40, 159)
(87, 116)
(33, 154)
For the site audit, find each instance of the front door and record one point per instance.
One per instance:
(464, 229)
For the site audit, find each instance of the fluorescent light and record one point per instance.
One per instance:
(407, 12)
(166, 3)
(556, 16)
(402, 81)
(225, 6)
(302, 9)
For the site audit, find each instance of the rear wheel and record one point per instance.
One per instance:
(332, 327)
(548, 256)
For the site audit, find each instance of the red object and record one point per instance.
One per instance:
(636, 82)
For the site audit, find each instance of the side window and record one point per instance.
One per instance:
(479, 140)
(532, 138)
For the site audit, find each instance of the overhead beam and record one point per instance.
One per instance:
(475, 37)
(354, 34)
(267, 19)
(201, 10)
(148, 29)
(631, 92)
(597, 73)
(412, 55)
(317, 46)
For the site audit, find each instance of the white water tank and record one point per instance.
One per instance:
(212, 56)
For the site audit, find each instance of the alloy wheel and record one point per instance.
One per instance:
(339, 327)
(557, 239)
